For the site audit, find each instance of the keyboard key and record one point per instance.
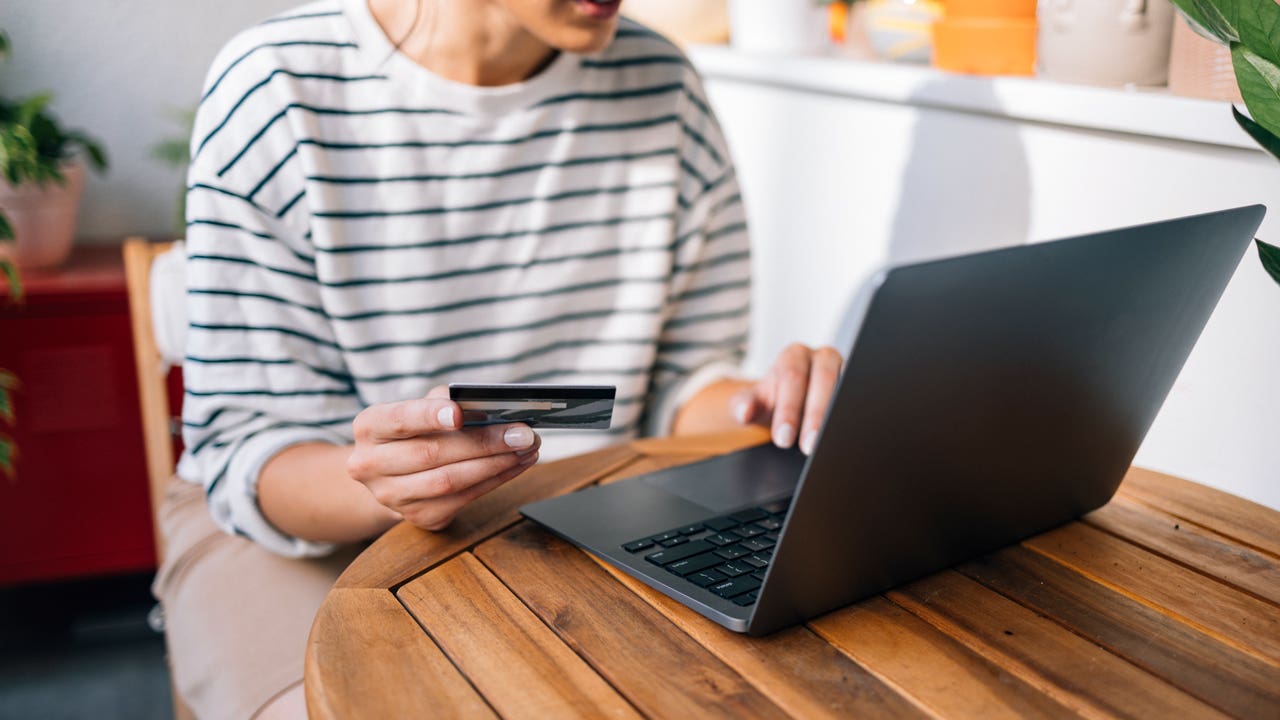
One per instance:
(724, 538)
(733, 570)
(706, 577)
(766, 555)
(772, 535)
(757, 543)
(739, 565)
(679, 540)
(749, 515)
(769, 523)
(759, 575)
(746, 599)
(638, 545)
(721, 524)
(736, 586)
(749, 530)
(688, 566)
(691, 529)
(755, 562)
(733, 552)
(777, 508)
(665, 536)
(679, 552)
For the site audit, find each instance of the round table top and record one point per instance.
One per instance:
(1163, 603)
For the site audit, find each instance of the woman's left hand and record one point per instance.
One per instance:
(792, 398)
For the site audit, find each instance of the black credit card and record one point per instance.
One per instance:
(570, 407)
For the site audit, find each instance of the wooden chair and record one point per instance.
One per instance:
(153, 392)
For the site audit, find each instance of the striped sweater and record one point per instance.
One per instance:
(361, 230)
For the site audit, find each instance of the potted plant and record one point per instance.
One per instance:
(1251, 29)
(40, 183)
(40, 180)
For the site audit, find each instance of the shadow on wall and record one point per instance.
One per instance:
(966, 187)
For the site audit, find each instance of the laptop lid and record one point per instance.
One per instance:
(990, 397)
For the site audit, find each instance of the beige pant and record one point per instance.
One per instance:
(236, 615)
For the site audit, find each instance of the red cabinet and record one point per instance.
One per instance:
(79, 505)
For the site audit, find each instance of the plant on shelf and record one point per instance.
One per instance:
(175, 152)
(35, 152)
(1251, 29)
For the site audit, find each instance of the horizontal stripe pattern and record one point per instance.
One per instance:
(357, 236)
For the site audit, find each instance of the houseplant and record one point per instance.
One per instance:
(37, 156)
(1251, 29)
(40, 180)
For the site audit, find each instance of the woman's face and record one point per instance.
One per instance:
(579, 26)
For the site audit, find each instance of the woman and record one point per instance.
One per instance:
(510, 190)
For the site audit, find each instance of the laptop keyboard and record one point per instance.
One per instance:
(726, 555)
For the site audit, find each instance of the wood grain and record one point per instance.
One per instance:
(1241, 684)
(367, 658)
(931, 668)
(794, 668)
(1190, 544)
(1234, 517)
(153, 393)
(1241, 620)
(704, 445)
(405, 551)
(1061, 664)
(660, 670)
(517, 663)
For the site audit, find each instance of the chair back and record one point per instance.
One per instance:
(153, 370)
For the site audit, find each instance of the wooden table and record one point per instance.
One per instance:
(1163, 604)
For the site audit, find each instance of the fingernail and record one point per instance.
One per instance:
(445, 416)
(518, 437)
(784, 435)
(740, 412)
(806, 442)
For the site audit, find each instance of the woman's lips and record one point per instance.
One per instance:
(599, 10)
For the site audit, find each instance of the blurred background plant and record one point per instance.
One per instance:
(175, 152)
(1251, 30)
(34, 150)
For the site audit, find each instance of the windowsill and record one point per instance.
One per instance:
(1145, 112)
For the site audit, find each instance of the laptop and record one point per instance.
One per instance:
(986, 398)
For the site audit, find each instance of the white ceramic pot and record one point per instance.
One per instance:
(43, 218)
(778, 26)
(1105, 42)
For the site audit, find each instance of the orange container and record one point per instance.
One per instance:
(990, 9)
(999, 46)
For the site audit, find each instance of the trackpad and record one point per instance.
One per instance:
(748, 477)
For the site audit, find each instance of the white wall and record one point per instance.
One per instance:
(118, 69)
(836, 185)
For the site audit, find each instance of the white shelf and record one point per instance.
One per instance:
(1144, 112)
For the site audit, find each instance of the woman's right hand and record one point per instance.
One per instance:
(417, 459)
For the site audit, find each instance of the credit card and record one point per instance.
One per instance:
(569, 407)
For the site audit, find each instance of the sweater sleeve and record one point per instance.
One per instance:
(704, 335)
(263, 370)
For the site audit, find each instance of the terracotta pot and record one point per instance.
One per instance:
(43, 218)
(1105, 42)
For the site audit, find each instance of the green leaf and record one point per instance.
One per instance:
(1207, 20)
(6, 405)
(1268, 141)
(6, 230)
(33, 107)
(5, 47)
(10, 271)
(1270, 256)
(1257, 22)
(8, 454)
(1259, 81)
